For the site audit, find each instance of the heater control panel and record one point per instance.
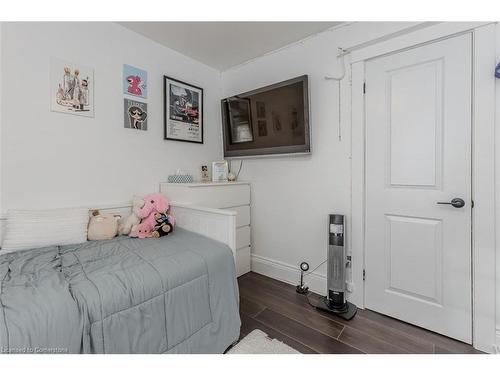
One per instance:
(337, 229)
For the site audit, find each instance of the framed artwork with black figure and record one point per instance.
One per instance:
(183, 111)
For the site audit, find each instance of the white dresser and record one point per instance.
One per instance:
(234, 196)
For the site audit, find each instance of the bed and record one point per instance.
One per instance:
(176, 294)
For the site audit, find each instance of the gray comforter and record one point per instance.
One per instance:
(177, 294)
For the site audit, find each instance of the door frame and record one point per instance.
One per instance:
(483, 165)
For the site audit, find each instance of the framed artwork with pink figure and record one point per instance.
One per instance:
(135, 81)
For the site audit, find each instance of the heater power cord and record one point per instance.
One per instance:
(308, 292)
(308, 300)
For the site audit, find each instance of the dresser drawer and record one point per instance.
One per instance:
(213, 196)
(242, 237)
(243, 217)
(242, 261)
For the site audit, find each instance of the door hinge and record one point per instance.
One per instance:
(364, 87)
(364, 275)
(472, 204)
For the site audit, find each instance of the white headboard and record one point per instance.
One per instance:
(219, 225)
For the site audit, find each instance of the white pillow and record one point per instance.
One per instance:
(28, 229)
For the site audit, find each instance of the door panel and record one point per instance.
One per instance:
(418, 153)
(415, 123)
(413, 245)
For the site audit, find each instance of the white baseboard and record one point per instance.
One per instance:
(287, 273)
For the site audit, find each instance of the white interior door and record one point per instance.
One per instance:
(418, 153)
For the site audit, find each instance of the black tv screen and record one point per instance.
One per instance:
(268, 121)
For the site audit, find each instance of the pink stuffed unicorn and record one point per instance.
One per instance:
(153, 203)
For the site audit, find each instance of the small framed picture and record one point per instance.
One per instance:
(220, 169)
(135, 114)
(135, 81)
(205, 177)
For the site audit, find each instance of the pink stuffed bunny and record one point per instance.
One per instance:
(153, 203)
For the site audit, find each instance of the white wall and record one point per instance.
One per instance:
(304, 188)
(51, 159)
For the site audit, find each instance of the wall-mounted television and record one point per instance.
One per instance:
(271, 120)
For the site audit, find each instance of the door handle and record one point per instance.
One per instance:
(455, 202)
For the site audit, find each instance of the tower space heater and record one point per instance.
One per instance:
(335, 301)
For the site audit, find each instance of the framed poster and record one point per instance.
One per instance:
(135, 81)
(183, 111)
(71, 88)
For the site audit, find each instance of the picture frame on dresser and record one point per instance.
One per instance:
(183, 111)
(220, 170)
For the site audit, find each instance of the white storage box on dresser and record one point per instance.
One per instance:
(234, 196)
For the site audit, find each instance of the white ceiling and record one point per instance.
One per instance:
(222, 45)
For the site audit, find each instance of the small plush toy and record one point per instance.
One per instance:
(163, 225)
(143, 231)
(102, 226)
(129, 224)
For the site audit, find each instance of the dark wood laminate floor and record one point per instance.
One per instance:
(275, 308)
